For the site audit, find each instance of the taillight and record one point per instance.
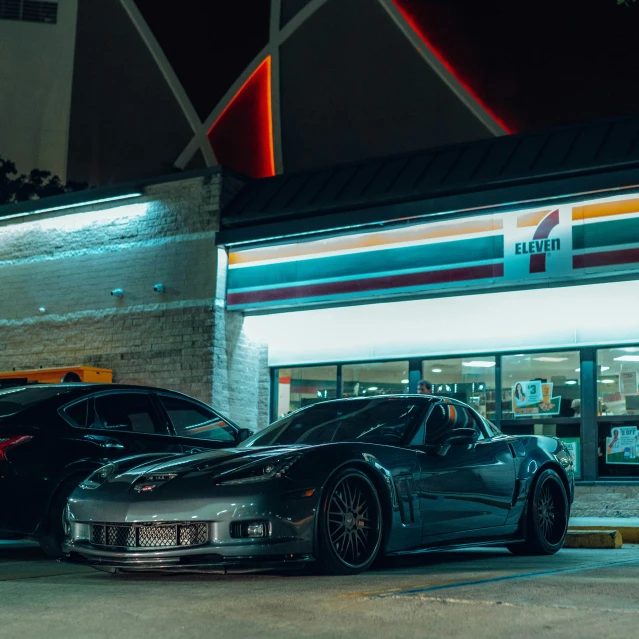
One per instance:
(11, 442)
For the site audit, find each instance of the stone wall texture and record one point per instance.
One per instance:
(56, 306)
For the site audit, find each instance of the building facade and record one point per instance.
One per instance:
(505, 273)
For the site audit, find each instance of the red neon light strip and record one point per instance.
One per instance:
(269, 111)
(446, 64)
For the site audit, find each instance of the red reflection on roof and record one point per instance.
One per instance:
(418, 28)
(242, 136)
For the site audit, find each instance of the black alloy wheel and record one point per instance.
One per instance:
(55, 523)
(350, 526)
(547, 517)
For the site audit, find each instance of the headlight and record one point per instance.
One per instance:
(96, 479)
(262, 470)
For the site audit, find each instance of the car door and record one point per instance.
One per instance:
(466, 483)
(125, 423)
(196, 426)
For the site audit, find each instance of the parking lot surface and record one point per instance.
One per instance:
(476, 593)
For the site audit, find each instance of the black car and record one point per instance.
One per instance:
(336, 484)
(53, 436)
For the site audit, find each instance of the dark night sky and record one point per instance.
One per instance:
(536, 63)
(541, 63)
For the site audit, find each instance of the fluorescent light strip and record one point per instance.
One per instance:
(479, 364)
(70, 206)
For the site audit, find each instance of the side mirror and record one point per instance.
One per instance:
(244, 433)
(462, 436)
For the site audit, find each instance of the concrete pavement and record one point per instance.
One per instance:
(479, 593)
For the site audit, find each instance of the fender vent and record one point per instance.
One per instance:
(405, 499)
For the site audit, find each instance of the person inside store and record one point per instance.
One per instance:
(424, 387)
(520, 396)
(576, 407)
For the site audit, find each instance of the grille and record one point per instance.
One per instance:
(151, 536)
(29, 11)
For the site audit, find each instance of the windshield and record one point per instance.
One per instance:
(377, 421)
(13, 400)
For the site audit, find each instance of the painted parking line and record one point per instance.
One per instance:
(479, 582)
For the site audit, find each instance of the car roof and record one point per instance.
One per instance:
(90, 386)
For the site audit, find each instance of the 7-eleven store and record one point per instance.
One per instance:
(486, 287)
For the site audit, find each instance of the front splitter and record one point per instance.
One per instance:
(194, 563)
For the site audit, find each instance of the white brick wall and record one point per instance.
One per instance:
(69, 262)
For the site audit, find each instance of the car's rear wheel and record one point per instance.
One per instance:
(350, 524)
(55, 524)
(547, 517)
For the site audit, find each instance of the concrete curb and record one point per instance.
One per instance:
(630, 534)
(611, 539)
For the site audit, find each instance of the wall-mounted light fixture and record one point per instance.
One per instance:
(159, 288)
(117, 292)
(71, 205)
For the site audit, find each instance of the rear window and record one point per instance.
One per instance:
(13, 400)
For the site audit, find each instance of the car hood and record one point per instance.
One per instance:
(213, 462)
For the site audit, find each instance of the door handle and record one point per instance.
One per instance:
(111, 445)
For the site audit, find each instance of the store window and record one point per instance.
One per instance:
(469, 379)
(540, 385)
(306, 385)
(543, 386)
(617, 375)
(618, 412)
(374, 378)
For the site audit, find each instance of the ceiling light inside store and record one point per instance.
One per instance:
(436, 370)
(404, 381)
(479, 364)
(629, 349)
(572, 382)
(607, 381)
(550, 359)
(577, 370)
(372, 388)
(627, 358)
(604, 368)
(518, 355)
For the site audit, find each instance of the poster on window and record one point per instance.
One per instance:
(621, 448)
(628, 383)
(533, 397)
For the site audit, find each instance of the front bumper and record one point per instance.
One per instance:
(290, 524)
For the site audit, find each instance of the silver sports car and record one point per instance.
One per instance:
(337, 483)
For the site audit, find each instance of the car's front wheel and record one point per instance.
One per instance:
(350, 524)
(547, 517)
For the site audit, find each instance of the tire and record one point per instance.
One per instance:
(54, 532)
(546, 517)
(349, 531)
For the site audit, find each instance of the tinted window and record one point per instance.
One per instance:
(15, 399)
(193, 420)
(77, 413)
(446, 417)
(132, 412)
(375, 421)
